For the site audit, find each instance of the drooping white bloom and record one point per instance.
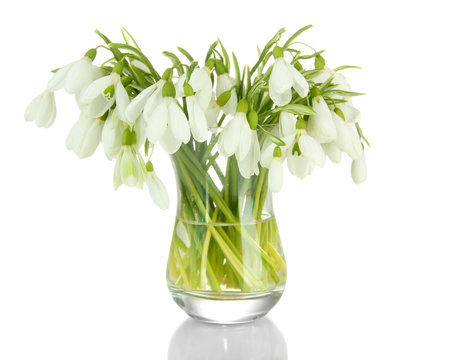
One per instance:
(236, 137)
(320, 125)
(42, 109)
(311, 148)
(323, 75)
(212, 112)
(157, 189)
(102, 93)
(135, 109)
(197, 119)
(112, 135)
(249, 165)
(359, 170)
(283, 77)
(130, 169)
(169, 115)
(275, 175)
(351, 114)
(201, 85)
(332, 151)
(85, 135)
(346, 138)
(299, 165)
(226, 83)
(75, 76)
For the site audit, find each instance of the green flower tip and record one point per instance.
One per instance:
(220, 68)
(169, 90)
(129, 137)
(301, 124)
(149, 166)
(188, 90)
(277, 153)
(278, 52)
(118, 68)
(314, 92)
(224, 98)
(168, 74)
(109, 92)
(252, 119)
(91, 54)
(298, 66)
(210, 63)
(242, 106)
(319, 62)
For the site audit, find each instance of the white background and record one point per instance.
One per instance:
(82, 268)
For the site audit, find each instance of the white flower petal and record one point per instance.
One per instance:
(78, 132)
(57, 80)
(197, 120)
(281, 99)
(351, 113)
(300, 84)
(112, 135)
(122, 101)
(79, 76)
(267, 154)
(321, 125)
(231, 106)
(281, 78)
(224, 83)
(129, 167)
(177, 122)
(229, 137)
(169, 143)
(212, 113)
(347, 138)
(96, 88)
(42, 109)
(91, 139)
(158, 191)
(359, 170)
(157, 123)
(245, 138)
(136, 106)
(275, 175)
(333, 152)
(299, 166)
(99, 106)
(117, 181)
(287, 124)
(311, 149)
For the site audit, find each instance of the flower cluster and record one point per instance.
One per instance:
(274, 112)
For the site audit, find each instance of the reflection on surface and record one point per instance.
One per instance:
(257, 340)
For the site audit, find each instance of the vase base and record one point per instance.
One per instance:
(223, 308)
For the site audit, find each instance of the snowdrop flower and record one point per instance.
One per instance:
(275, 171)
(283, 77)
(147, 99)
(85, 135)
(168, 116)
(200, 83)
(156, 188)
(237, 135)
(323, 75)
(351, 114)
(359, 170)
(75, 76)
(226, 83)
(249, 165)
(332, 151)
(130, 169)
(102, 93)
(347, 140)
(299, 165)
(112, 135)
(196, 117)
(42, 109)
(321, 125)
(212, 112)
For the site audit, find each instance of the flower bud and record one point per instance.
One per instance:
(224, 98)
(169, 90)
(340, 113)
(277, 153)
(314, 92)
(219, 67)
(278, 52)
(298, 66)
(91, 54)
(319, 62)
(188, 90)
(129, 137)
(242, 106)
(252, 119)
(149, 167)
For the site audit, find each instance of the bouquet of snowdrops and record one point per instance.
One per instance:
(275, 111)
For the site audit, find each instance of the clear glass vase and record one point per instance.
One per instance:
(226, 263)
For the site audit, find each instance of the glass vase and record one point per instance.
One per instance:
(226, 263)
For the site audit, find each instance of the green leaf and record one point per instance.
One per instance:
(126, 35)
(146, 147)
(227, 62)
(343, 67)
(175, 60)
(295, 109)
(211, 49)
(343, 92)
(185, 53)
(326, 83)
(272, 137)
(295, 35)
(266, 49)
(116, 53)
(237, 72)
